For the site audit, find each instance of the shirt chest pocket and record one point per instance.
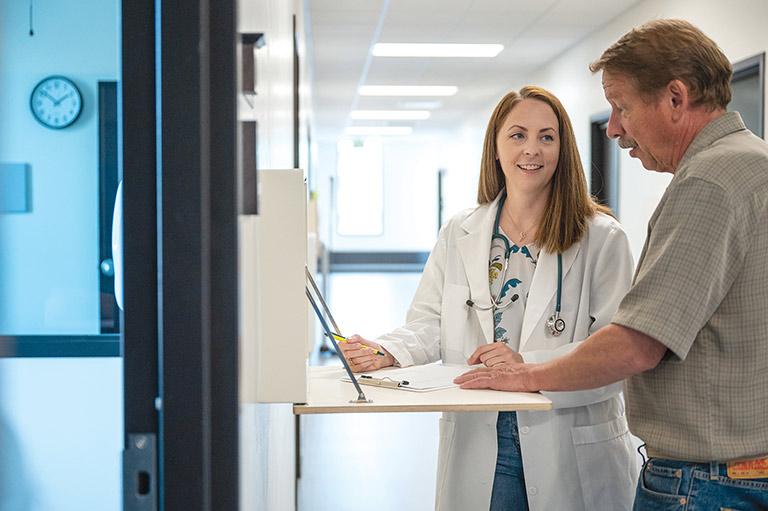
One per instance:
(455, 322)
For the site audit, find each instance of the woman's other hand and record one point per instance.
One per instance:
(494, 354)
(361, 354)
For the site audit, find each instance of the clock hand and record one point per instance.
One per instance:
(56, 102)
(45, 93)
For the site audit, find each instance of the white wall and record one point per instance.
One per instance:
(267, 432)
(60, 419)
(272, 107)
(738, 27)
(462, 151)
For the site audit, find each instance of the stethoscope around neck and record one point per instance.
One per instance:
(555, 324)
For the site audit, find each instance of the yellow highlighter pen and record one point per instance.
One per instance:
(344, 340)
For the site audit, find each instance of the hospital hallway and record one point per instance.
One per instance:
(377, 462)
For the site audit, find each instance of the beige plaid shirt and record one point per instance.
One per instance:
(701, 289)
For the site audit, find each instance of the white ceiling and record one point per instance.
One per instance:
(343, 31)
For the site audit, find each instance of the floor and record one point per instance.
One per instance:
(376, 462)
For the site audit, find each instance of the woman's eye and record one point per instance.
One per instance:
(517, 136)
(548, 138)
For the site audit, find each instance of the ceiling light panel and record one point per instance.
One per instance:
(408, 90)
(420, 105)
(438, 50)
(379, 130)
(390, 115)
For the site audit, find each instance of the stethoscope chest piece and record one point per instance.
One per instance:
(555, 324)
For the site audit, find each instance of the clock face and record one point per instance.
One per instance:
(56, 102)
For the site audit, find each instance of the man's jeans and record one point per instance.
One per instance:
(678, 485)
(509, 482)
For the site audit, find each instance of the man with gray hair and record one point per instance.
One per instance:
(691, 336)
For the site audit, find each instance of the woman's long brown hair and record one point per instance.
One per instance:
(570, 205)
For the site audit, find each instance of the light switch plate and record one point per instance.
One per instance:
(14, 196)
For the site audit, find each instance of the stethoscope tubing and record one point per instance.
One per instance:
(555, 324)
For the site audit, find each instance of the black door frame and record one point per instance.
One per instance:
(604, 171)
(109, 312)
(180, 348)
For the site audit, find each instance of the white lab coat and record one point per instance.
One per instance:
(577, 456)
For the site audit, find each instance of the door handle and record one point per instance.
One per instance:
(107, 267)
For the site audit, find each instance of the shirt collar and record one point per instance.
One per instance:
(729, 122)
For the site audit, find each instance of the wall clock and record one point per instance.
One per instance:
(56, 102)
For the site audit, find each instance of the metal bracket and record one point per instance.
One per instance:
(140, 473)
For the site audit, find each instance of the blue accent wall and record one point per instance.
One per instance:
(60, 418)
(49, 258)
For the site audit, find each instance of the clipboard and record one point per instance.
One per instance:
(419, 378)
(382, 382)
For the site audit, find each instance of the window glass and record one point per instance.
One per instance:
(748, 100)
(360, 188)
(60, 374)
(58, 167)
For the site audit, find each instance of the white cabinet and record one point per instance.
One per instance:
(274, 317)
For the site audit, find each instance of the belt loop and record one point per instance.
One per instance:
(714, 470)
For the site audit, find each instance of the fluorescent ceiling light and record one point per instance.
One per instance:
(420, 105)
(435, 50)
(379, 130)
(408, 90)
(390, 115)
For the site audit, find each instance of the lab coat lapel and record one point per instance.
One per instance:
(474, 248)
(543, 289)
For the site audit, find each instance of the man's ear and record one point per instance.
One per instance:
(678, 98)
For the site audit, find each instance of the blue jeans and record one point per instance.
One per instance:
(509, 482)
(679, 485)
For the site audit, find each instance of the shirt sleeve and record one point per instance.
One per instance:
(690, 260)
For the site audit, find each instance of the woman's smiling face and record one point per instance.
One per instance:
(528, 146)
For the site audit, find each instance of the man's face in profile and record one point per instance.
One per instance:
(636, 122)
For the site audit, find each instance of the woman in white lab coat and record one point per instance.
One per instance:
(525, 276)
